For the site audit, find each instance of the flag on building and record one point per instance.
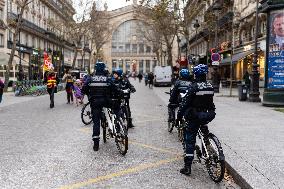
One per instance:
(47, 63)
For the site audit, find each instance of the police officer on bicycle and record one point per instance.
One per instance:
(181, 86)
(100, 90)
(198, 109)
(123, 83)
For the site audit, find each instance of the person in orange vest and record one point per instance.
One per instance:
(69, 86)
(51, 81)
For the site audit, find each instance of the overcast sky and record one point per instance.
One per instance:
(112, 4)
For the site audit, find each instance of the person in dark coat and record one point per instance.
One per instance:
(2, 85)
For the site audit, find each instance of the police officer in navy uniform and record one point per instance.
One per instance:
(198, 109)
(100, 90)
(123, 83)
(181, 86)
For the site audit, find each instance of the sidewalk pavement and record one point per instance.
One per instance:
(9, 98)
(252, 139)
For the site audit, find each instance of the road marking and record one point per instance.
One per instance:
(136, 169)
(164, 150)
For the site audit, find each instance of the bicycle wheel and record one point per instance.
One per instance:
(125, 116)
(121, 138)
(86, 114)
(170, 126)
(215, 164)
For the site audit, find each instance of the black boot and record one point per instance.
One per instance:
(96, 145)
(130, 124)
(187, 166)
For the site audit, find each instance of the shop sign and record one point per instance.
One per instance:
(247, 48)
(275, 64)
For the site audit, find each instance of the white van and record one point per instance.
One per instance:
(163, 75)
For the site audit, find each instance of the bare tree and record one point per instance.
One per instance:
(99, 31)
(75, 29)
(15, 25)
(161, 15)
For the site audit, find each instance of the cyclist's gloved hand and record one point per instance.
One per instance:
(132, 90)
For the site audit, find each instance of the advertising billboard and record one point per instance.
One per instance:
(275, 65)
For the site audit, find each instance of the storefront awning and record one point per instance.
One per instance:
(235, 58)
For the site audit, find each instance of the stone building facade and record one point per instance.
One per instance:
(37, 36)
(127, 48)
(231, 30)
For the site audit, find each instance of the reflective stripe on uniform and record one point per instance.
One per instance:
(98, 84)
(96, 137)
(204, 92)
(189, 155)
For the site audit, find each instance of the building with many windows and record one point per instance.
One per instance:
(38, 35)
(128, 47)
(231, 30)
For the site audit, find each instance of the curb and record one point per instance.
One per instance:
(239, 180)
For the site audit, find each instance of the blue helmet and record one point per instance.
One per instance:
(184, 73)
(118, 71)
(200, 69)
(100, 67)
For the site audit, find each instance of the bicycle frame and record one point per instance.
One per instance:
(200, 136)
(110, 117)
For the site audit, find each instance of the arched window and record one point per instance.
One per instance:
(128, 37)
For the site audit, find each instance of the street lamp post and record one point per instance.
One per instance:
(254, 89)
(196, 25)
(216, 76)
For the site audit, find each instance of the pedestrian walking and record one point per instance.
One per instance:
(140, 76)
(146, 79)
(69, 86)
(2, 85)
(51, 80)
(151, 80)
(246, 79)
(77, 92)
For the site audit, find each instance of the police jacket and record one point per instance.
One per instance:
(124, 84)
(100, 86)
(199, 98)
(181, 86)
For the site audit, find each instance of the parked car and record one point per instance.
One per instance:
(162, 76)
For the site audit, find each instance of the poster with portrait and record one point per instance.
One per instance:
(275, 58)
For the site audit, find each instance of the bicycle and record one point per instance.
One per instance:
(113, 127)
(86, 114)
(210, 151)
(124, 109)
(173, 124)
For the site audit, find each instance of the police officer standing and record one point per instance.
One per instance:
(198, 109)
(181, 86)
(100, 90)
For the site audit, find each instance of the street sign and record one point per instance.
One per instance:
(215, 63)
(215, 57)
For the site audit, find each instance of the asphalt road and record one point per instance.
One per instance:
(51, 148)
